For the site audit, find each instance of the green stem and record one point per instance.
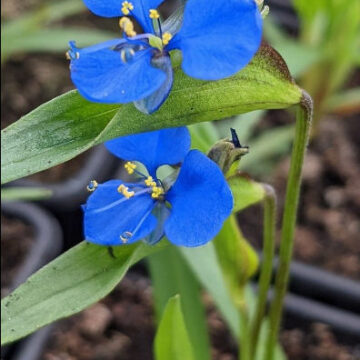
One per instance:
(244, 340)
(267, 264)
(302, 129)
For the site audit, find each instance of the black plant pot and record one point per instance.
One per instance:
(284, 14)
(325, 287)
(68, 196)
(316, 295)
(302, 310)
(47, 245)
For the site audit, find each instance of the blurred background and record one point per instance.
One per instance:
(320, 41)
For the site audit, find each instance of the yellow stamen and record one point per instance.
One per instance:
(154, 14)
(166, 38)
(124, 190)
(130, 167)
(157, 191)
(150, 182)
(127, 7)
(92, 186)
(67, 55)
(126, 24)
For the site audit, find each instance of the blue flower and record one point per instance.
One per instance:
(217, 39)
(189, 206)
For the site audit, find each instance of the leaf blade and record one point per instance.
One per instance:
(59, 130)
(172, 340)
(54, 292)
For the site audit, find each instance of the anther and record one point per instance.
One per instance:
(93, 184)
(157, 191)
(126, 24)
(154, 14)
(125, 236)
(126, 54)
(127, 7)
(70, 55)
(150, 182)
(166, 38)
(130, 167)
(124, 190)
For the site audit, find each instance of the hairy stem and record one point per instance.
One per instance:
(267, 264)
(302, 129)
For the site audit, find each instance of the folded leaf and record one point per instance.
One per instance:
(68, 125)
(172, 340)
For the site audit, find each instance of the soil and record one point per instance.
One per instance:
(328, 228)
(121, 327)
(31, 80)
(14, 233)
(316, 343)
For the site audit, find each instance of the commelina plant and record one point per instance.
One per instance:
(216, 39)
(119, 213)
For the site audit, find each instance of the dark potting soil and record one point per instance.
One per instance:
(328, 228)
(29, 81)
(316, 343)
(16, 240)
(122, 327)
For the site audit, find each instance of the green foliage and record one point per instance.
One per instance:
(75, 280)
(237, 258)
(323, 28)
(171, 275)
(172, 340)
(68, 125)
(299, 56)
(204, 263)
(24, 193)
(35, 31)
(246, 192)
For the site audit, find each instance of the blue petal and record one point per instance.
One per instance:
(109, 215)
(101, 75)
(174, 22)
(153, 149)
(112, 8)
(201, 200)
(152, 102)
(161, 212)
(218, 38)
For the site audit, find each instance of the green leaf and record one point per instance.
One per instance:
(246, 192)
(172, 339)
(24, 193)
(261, 348)
(75, 280)
(68, 125)
(53, 40)
(266, 149)
(298, 56)
(237, 258)
(203, 136)
(244, 125)
(204, 264)
(32, 24)
(170, 275)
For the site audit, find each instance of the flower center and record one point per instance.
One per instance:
(127, 26)
(152, 186)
